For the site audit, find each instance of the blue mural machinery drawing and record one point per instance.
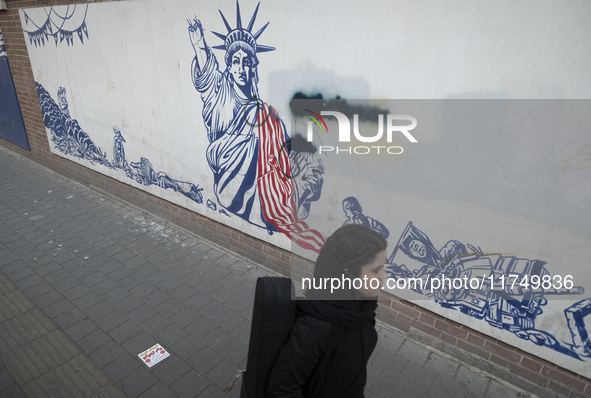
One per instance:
(58, 26)
(70, 139)
(508, 292)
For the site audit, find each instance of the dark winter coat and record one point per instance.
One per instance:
(327, 353)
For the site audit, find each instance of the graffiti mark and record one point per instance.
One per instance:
(580, 160)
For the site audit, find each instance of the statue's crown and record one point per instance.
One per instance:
(242, 34)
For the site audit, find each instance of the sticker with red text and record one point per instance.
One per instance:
(153, 355)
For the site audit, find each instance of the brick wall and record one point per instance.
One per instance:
(481, 351)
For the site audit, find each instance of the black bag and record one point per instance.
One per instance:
(272, 319)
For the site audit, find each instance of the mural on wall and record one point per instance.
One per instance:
(12, 127)
(355, 215)
(248, 150)
(70, 139)
(59, 25)
(505, 291)
(195, 121)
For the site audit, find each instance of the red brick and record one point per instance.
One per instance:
(426, 328)
(531, 364)
(473, 349)
(564, 377)
(404, 308)
(536, 377)
(501, 361)
(503, 352)
(450, 328)
(559, 388)
(449, 339)
(476, 340)
(427, 319)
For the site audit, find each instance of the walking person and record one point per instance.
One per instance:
(334, 332)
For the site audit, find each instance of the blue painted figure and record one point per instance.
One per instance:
(248, 149)
(307, 170)
(119, 161)
(355, 215)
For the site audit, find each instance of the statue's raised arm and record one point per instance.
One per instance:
(197, 41)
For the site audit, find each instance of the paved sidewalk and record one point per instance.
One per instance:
(87, 283)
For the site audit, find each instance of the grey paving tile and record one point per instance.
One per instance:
(187, 347)
(107, 353)
(128, 304)
(190, 385)
(171, 369)
(413, 372)
(139, 343)
(445, 368)
(93, 341)
(170, 335)
(104, 286)
(170, 307)
(86, 301)
(58, 308)
(472, 381)
(69, 318)
(201, 327)
(445, 389)
(14, 391)
(124, 331)
(138, 381)
(185, 316)
(81, 329)
(499, 390)
(116, 294)
(111, 320)
(160, 390)
(144, 313)
(223, 373)
(218, 339)
(413, 352)
(155, 324)
(99, 309)
(122, 366)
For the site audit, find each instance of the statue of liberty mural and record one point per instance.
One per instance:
(248, 149)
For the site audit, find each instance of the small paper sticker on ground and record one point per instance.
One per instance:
(153, 355)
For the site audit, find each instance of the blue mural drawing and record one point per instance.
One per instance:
(12, 127)
(355, 215)
(307, 174)
(248, 149)
(70, 139)
(505, 291)
(58, 26)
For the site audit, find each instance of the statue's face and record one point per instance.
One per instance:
(241, 68)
